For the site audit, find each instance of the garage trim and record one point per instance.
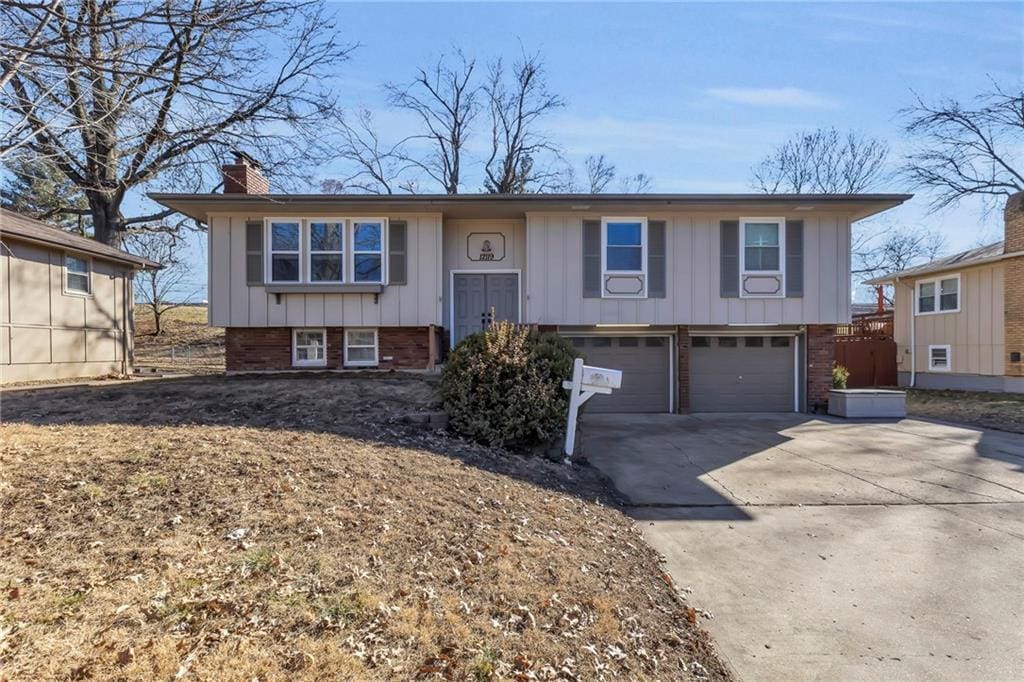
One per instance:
(761, 330)
(623, 331)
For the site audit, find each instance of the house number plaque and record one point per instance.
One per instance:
(485, 246)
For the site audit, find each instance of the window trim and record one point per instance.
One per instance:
(308, 242)
(268, 229)
(376, 348)
(642, 272)
(937, 281)
(781, 272)
(295, 348)
(383, 249)
(949, 357)
(67, 273)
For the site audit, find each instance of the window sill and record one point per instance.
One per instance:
(936, 312)
(78, 294)
(307, 288)
(369, 365)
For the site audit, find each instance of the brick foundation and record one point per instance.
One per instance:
(263, 349)
(820, 356)
(683, 368)
(1013, 287)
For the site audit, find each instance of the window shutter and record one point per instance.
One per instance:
(254, 252)
(794, 258)
(397, 254)
(656, 259)
(730, 259)
(591, 259)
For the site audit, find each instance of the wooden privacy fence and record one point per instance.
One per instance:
(868, 349)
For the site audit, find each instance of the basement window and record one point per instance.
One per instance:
(361, 348)
(939, 359)
(309, 348)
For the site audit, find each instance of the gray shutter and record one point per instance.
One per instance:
(397, 255)
(730, 259)
(794, 258)
(591, 259)
(656, 259)
(254, 252)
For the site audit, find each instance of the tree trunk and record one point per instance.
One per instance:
(106, 218)
(157, 314)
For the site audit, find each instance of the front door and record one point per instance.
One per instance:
(477, 296)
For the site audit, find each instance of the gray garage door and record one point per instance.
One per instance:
(644, 361)
(741, 374)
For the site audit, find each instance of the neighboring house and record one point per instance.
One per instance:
(65, 303)
(959, 320)
(707, 302)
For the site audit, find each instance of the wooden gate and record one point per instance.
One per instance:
(868, 350)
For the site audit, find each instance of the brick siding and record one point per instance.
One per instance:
(683, 368)
(820, 356)
(261, 349)
(1013, 284)
(241, 178)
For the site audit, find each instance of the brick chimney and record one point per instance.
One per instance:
(1013, 286)
(244, 176)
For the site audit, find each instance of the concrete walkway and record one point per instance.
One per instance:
(833, 550)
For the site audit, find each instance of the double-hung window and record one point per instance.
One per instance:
(360, 347)
(940, 295)
(367, 250)
(285, 248)
(76, 280)
(309, 347)
(939, 359)
(624, 256)
(762, 261)
(327, 251)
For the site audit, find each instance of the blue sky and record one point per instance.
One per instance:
(696, 94)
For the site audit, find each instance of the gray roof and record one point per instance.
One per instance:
(33, 230)
(976, 256)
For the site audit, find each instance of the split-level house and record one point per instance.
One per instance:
(65, 303)
(706, 302)
(959, 320)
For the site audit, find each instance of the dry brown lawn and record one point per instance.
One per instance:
(295, 528)
(1004, 411)
(183, 328)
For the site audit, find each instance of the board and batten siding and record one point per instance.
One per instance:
(975, 334)
(234, 303)
(48, 334)
(457, 257)
(554, 278)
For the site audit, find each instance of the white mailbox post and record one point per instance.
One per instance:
(585, 384)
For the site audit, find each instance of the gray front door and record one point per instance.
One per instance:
(477, 295)
(741, 374)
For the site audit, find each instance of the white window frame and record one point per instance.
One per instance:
(88, 275)
(351, 244)
(949, 358)
(376, 349)
(937, 281)
(307, 228)
(295, 348)
(781, 272)
(269, 244)
(605, 272)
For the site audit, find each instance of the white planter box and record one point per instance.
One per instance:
(867, 402)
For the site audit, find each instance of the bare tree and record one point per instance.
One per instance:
(823, 161)
(161, 290)
(446, 100)
(636, 184)
(377, 167)
(895, 249)
(516, 140)
(966, 151)
(121, 95)
(600, 173)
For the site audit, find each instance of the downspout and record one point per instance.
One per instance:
(124, 323)
(913, 338)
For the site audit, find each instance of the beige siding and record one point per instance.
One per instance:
(233, 303)
(46, 333)
(554, 279)
(975, 333)
(457, 255)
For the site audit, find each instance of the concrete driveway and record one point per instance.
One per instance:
(834, 550)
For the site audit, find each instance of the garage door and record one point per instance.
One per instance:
(741, 374)
(644, 361)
